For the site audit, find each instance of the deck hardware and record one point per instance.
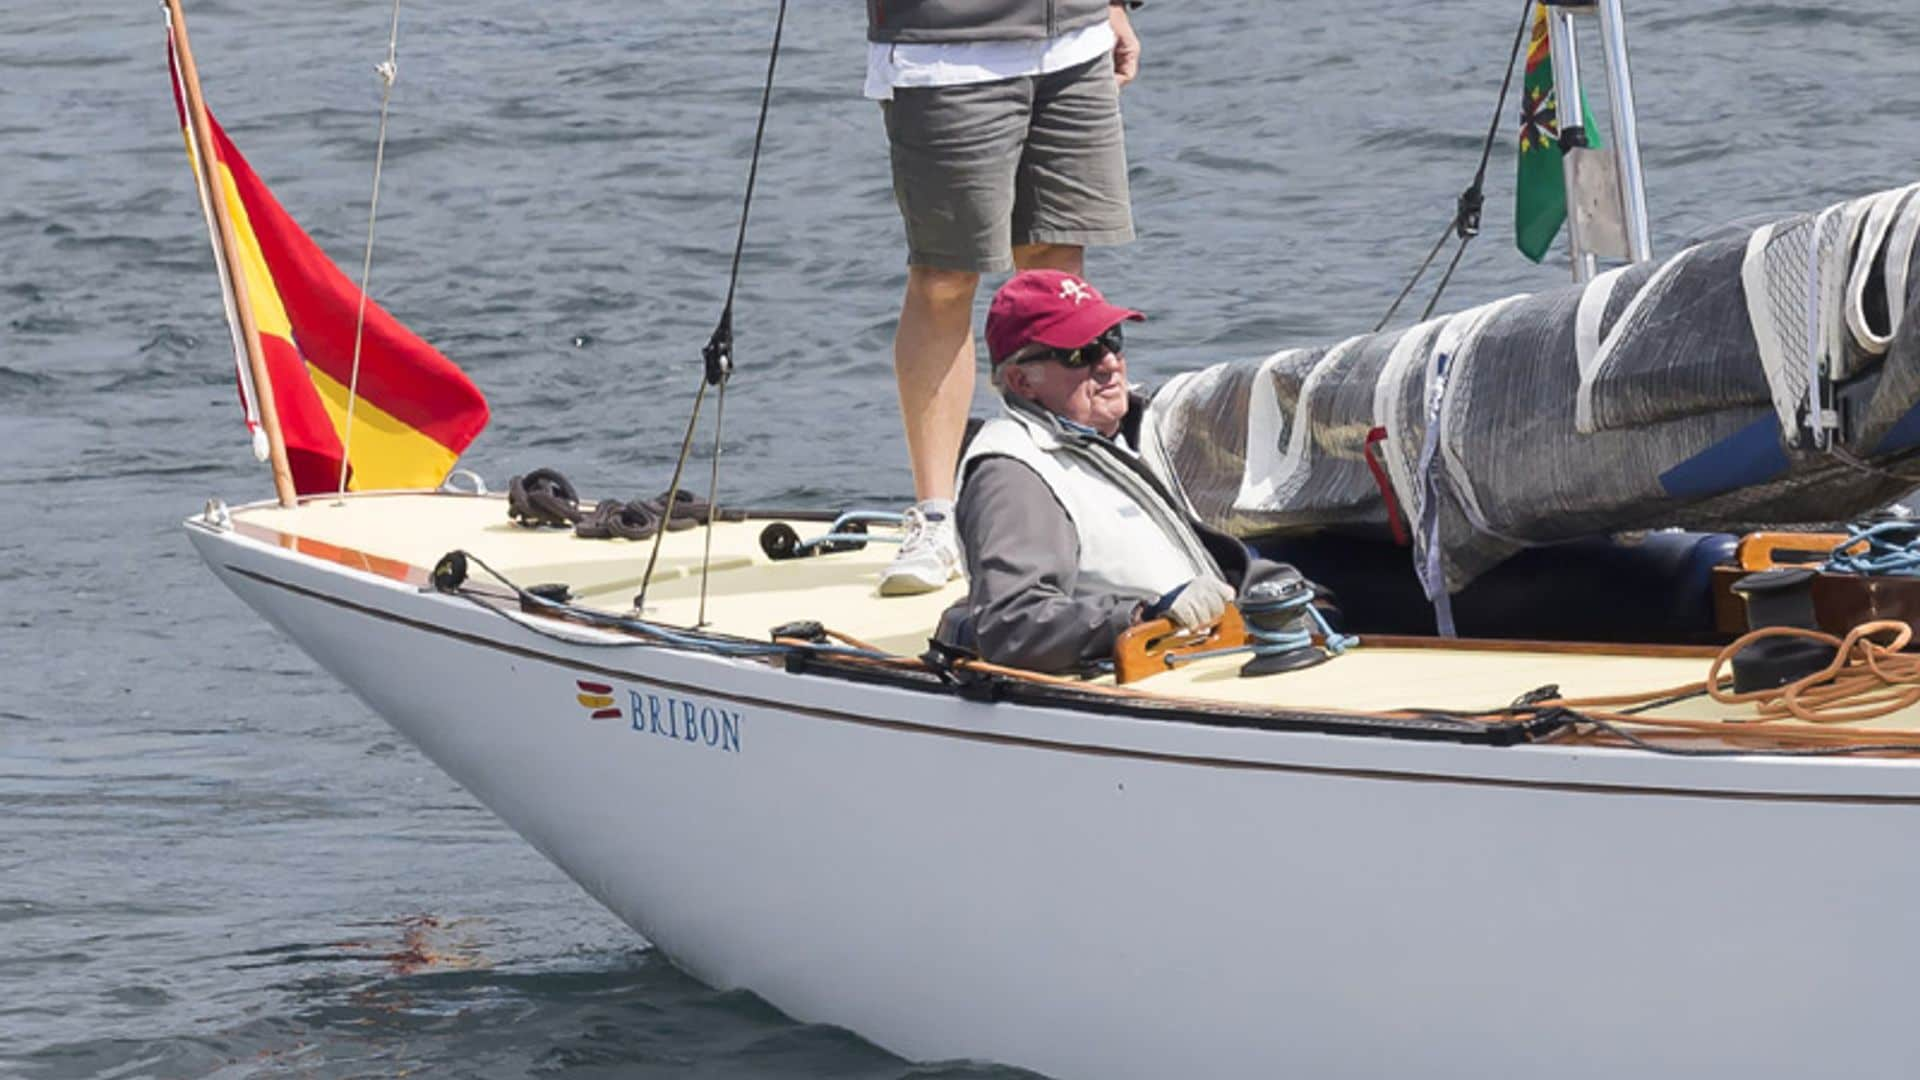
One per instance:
(847, 533)
(476, 486)
(1780, 597)
(450, 572)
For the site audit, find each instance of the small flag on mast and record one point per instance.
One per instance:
(1540, 199)
(415, 411)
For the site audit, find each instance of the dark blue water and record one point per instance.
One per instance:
(215, 862)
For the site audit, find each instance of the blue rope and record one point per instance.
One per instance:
(1297, 633)
(1893, 550)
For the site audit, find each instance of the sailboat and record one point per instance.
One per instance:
(1487, 855)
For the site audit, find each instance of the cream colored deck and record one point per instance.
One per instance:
(748, 594)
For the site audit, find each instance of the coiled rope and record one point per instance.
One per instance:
(1296, 620)
(1869, 677)
(388, 70)
(1886, 549)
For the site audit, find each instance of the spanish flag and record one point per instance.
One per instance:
(415, 411)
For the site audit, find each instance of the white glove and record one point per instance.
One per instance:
(1194, 604)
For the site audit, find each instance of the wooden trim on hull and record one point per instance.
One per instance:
(392, 569)
(1058, 746)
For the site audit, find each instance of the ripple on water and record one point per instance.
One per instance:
(17, 383)
(45, 324)
(153, 376)
(1764, 16)
(170, 341)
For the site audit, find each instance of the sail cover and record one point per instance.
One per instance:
(1763, 376)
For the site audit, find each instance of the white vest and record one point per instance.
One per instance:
(1132, 542)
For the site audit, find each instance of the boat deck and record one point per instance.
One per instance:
(402, 535)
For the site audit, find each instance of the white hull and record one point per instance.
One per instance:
(1095, 896)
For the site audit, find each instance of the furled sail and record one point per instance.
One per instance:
(1770, 376)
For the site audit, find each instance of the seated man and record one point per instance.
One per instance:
(1068, 537)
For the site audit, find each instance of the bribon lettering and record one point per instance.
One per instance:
(685, 720)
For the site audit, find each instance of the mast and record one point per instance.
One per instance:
(209, 178)
(1633, 185)
(1571, 94)
(1606, 193)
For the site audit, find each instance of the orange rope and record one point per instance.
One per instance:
(1865, 680)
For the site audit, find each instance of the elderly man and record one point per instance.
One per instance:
(1068, 537)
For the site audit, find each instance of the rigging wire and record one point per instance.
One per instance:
(1466, 214)
(1432, 253)
(713, 502)
(717, 355)
(388, 70)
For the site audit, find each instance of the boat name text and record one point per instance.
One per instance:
(685, 720)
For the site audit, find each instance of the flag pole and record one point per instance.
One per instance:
(236, 269)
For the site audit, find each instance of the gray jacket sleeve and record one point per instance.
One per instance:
(1022, 559)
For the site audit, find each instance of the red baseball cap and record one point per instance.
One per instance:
(1051, 307)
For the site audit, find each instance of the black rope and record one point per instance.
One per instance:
(1445, 279)
(719, 350)
(672, 499)
(717, 355)
(1466, 212)
(713, 501)
(1415, 280)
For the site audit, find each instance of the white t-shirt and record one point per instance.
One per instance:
(894, 65)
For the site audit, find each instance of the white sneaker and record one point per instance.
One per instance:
(928, 558)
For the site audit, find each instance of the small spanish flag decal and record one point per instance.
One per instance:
(597, 698)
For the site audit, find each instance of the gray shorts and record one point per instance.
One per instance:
(982, 167)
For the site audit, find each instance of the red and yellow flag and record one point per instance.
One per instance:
(415, 411)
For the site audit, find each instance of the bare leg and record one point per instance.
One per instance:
(1068, 257)
(933, 362)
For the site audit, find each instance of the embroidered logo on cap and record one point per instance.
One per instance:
(1075, 291)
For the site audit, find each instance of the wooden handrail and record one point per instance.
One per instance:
(1154, 646)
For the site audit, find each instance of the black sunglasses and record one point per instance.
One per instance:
(1085, 356)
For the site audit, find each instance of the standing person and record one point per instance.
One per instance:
(1003, 119)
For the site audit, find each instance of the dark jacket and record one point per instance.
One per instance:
(1023, 557)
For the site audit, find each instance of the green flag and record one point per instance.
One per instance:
(1540, 199)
